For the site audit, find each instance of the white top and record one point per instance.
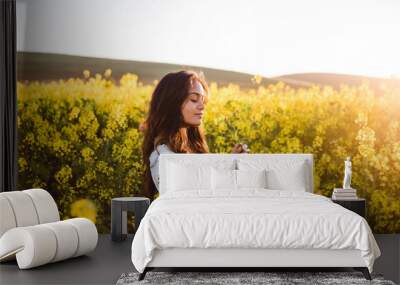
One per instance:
(154, 164)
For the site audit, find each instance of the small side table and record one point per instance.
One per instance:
(119, 208)
(356, 205)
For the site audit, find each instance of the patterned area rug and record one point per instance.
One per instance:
(225, 278)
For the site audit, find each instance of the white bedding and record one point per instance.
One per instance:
(250, 218)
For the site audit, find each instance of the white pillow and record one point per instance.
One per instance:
(224, 179)
(228, 179)
(292, 178)
(251, 178)
(182, 177)
(281, 174)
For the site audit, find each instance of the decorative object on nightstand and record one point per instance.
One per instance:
(119, 208)
(347, 174)
(347, 192)
(356, 205)
(344, 194)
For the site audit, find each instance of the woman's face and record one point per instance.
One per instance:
(193, 106)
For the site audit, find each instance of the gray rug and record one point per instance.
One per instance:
(228, 278)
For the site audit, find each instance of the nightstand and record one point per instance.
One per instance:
(356, 205)
(119, 208)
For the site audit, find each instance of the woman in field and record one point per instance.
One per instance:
(174, 122)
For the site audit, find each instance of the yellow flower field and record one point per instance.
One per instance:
(80, 140)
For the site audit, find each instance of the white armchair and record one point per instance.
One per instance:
(31, 230)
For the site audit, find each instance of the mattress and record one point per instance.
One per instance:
(250, 219)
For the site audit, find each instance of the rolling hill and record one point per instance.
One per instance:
(47, 66)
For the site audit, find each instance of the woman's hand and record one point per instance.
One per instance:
(240, 148)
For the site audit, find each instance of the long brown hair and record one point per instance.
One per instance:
(165, 125)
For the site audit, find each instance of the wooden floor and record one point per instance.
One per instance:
(110, 259)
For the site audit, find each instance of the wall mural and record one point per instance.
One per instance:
(79, 128)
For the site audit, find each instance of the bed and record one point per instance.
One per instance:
(247, 210)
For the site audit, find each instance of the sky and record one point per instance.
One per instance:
(269, 37)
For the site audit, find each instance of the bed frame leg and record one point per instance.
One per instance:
(143, 274)
(364, 271)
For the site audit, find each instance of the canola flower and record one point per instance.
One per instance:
(84, 208)
(82, 137)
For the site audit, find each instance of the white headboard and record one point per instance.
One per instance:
(215, 159)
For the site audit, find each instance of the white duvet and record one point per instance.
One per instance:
(251, 218)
